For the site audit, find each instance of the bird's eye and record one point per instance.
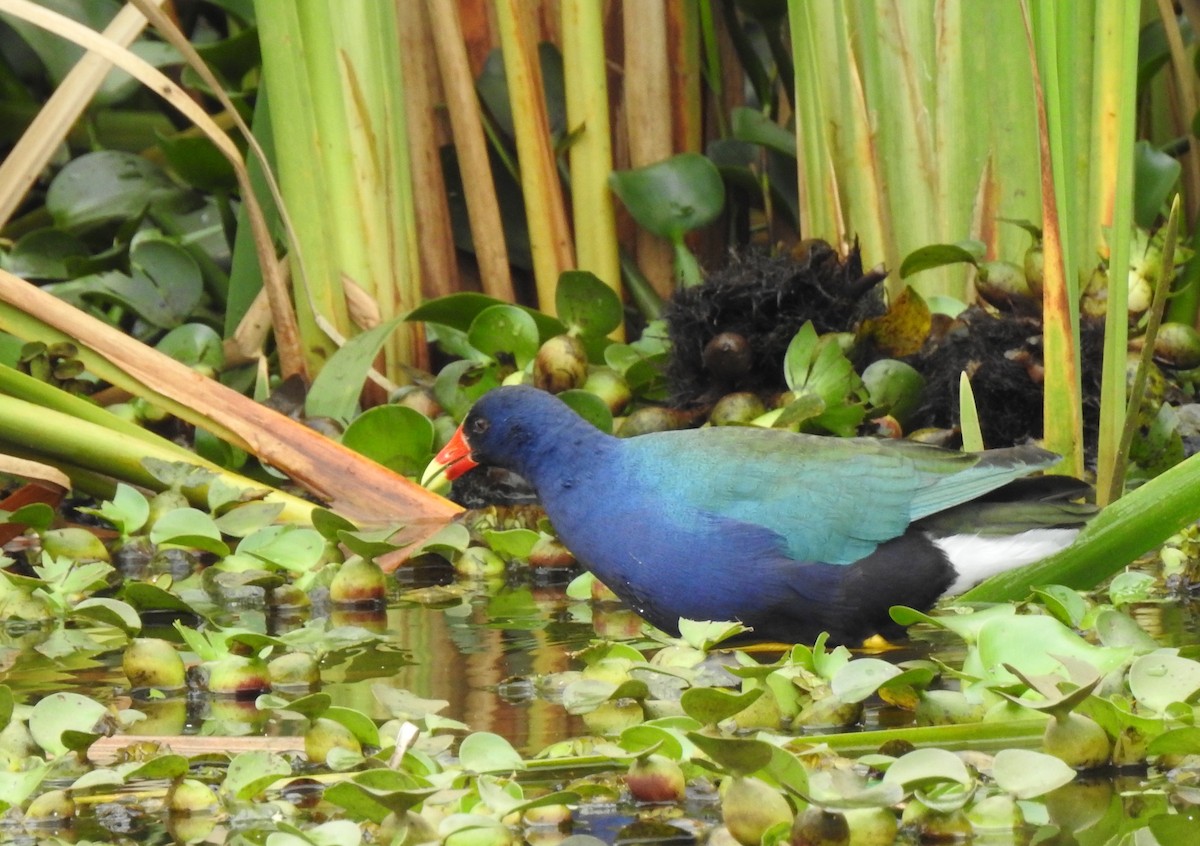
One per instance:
(479, 425)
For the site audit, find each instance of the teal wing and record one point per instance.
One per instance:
(829, 499)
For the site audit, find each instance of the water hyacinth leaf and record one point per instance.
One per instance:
(128, 510)
(1155, 175)
(161, 766)
(166, 284)
(460, 383)
(111, 612)
(1031, 643)
(458, 311)
(1026, 774)
(58, 713)
(104, 187)
(193, 344)
(250, 773)
(1183, 827)
(788, 771)
(586, 304)
(590, 407)
(1176, 741)
(1067, 606)
(7, 704)
(311, 706)
(480, 829)
(37, 516)
(904, 328)
(1162, 678)
(44, 254)
(672, 197)
(511, 543)
(16, 787)
(369, 543)
(711, 705)
(645, 739)
(148, 598)
(329, 523)
(1117, 629)
(739, 756)
(485, 752)
(860, 678)
(580, 587)
(395, 436)
(923, 767)
(331, 833)
(189, 527)
(840, 789)
(246, 519)
(198, 162)
(505, 332)
(586, 695)
(374, 794)
(360, 725)
(1131, 586)
(755, 127)
(944, 797)
(940, 255)
(334, 393)
(704, 635)
(966, 625)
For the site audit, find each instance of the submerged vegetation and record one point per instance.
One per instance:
(249, 291)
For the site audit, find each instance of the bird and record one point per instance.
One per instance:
(789, 534)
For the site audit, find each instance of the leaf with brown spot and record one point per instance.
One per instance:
(903, 330)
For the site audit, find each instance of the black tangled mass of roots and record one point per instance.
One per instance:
(751, 309)
(731, 334)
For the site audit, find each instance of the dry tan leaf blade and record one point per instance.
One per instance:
(350, 484)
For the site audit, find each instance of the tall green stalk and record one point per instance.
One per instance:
(896, 145)
(591, 150)
(331, 70)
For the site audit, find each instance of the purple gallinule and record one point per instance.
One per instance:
(789, 534)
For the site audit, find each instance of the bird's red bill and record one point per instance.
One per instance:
(455, 456)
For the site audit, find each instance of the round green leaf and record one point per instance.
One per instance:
(484, 752)
(505, 331)
(586, 304)
(189, 527)
(590, 407)
(44, 254)
(1026, 774)
(1161, 678)
(61, 712)
(927, 766)
(860, 678)
(673, 196)
(396, 436)
(736, 755)
(106, 187)
(193, 343)
(940, 255)
(710, 705)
